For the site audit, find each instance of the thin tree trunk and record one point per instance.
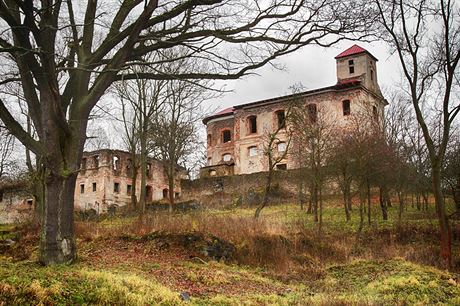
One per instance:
(383, 205)
(320, 224)
(266, 193)
(171, 187)
(345, 205)
(143, 167)
(401, 206)
(368, 186)
(362, 199)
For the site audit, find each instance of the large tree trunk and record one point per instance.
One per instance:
(57, 240)
(444, 226)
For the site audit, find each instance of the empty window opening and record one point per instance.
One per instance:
(226, 157)
(226, 136)
(252, 151)
(116, 187)
(346, 107)
(351, 66)
(30, 202)
(149, 169)
(176, 195)
(148, 193)
(281, 167)
(116, 163)
(281, 118)
(82, 188)
(375, 113)
(209, 140)
(94, 187)
(212, 172)
(83, 164)
(252, 124)
(129, 189)
(129, 167)
(281, 146)
(372, 75)
(1, 195)
(312, 112)
(165, 193)
(96, 161)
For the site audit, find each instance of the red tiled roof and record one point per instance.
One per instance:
(227, 111)
(355, 49)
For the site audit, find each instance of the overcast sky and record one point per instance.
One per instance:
(312, 66)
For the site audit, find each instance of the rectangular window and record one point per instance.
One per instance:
(281, 167)
(351, 66)
(312, 113)
(226, 157)
(116, 187)
(375, 113)
(281, 146)
(346, 107)
(94, 187)
(96, 161)
(281, 119)
(252, 151)
(129, 189)
(82, 188)
(252, 121)
(226, 136)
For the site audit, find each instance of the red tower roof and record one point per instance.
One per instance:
(355, 49)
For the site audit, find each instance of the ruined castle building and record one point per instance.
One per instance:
(236, 135)
(105, 181)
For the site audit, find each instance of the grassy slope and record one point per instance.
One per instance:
(134, 274)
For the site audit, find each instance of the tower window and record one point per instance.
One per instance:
(281, 119)
(252, 124)
(312, 113)
(209, 140)
(226, 136)
(94, 187)
(375, 113)
(351, 66)
(372, 75)
(346, 107)
(252, 151)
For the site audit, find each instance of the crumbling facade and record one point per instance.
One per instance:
(16, 202)
(236, 135)
(105, 181)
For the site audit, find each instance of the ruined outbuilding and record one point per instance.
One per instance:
(105, 181)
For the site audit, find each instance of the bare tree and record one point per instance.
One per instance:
(65, 60)
(425, 36)
(6, 149)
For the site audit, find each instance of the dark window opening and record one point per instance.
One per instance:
(176, 195)
(129, 167)
(351, 66)
(252, 122)
(312, 112)
(148, 193)
(346, 107)
(82, 188)
(375, 114)
(30, 203)
(1, 195)
(226, 136)
(149, 169)
(281, 119)
(116, 187)
(129, 189)
(96, 161)
(281, 167)
(372, 75)
(94, 187)
(165, 193)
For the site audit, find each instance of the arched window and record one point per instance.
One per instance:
(252, 124)
(346, 107)
(312, 112)
(226, 136)
(375, 113)
(281, 119)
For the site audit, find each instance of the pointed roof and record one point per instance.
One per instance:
(353, 50)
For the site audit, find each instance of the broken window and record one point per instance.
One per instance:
(94, 187)
(129, 167)
(346, 107)
(281, 167)
(226, 157)
(226, 136)
(252, 124)
(281, 118)
(281, 146)
(83, 164)
(351, 66)
(372, 75)
(129, 189)
(116, 163)
(165, 193)
(149, 169)
(30, 202)
(252, 151)
(312, 112)
(375, 113)
(116, 187)
(82, 188)
(96, 161)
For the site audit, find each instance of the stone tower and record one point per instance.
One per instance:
(356, 63)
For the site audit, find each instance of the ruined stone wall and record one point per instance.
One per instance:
(16, 205)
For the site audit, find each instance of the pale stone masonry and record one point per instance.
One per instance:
(236, 135)
(105, 181)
